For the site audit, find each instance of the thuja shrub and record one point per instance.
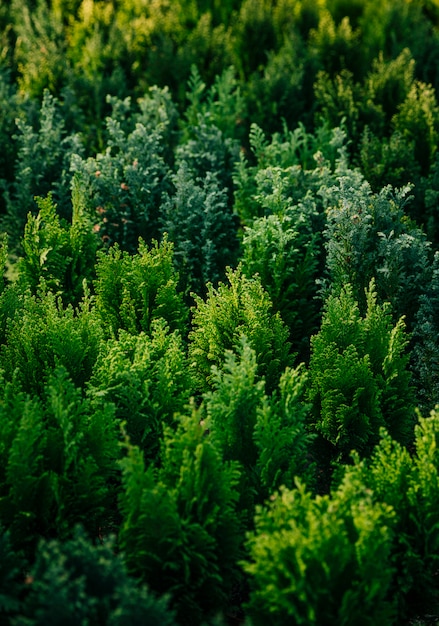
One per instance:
(180, 532)
(231, 410)
(62, 255)
(80, 582)
(283, 251)
(198, 219)
(359, 376)
(286, 170)
(10, 107)
(267, 435)
(134, 289)
(43, 334)
(241, 307)
(222, 105)
(58, 462)
(124, 184)
(425, 353)
(282, 436)
(147, 378)
(369, 236)
(408, 482)
(322, 560)
(42, 165)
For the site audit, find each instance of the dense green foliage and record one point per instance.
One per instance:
(219, 312)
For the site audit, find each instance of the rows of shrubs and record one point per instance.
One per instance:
(219, 313)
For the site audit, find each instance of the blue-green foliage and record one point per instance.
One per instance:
(124, 185)
(370, 236)
(198, 220)
(42, 165)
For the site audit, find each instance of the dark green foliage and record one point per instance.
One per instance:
(230, 311)
(267, 436)
(321, 561)
(43, 334)
(60, 255)
(180, 533)
(11, 570)
(9, 111)
(77, 583)
(359, 379)
(294, 142)
(425, 352)
(147, 379)
(58, 458)
(232, 407)
(133, 290)
(42, 165)
(198, 220)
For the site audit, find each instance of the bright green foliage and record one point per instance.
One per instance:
(230, 311)
(42, 165)
(222, 105)
(198, 220)
(180, 533)
(359, 380)
(133, 290)
(43, 334)
(282, 436)
(60, 255)
(231, 416)
(77, 583)
(125, 183)
(147, 379)
(58, 458)
(410, 485)
(232, 406)
(282, 250)
(41, 48)
(418, 120)
(321, 561)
